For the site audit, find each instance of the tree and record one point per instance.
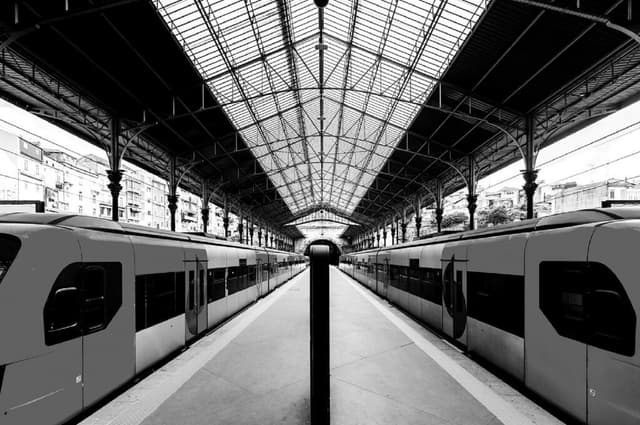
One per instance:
(450, 220)
(498, 215)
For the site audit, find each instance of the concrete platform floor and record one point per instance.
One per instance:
(385, 369)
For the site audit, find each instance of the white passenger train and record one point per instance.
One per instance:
(551, 301)
(87, 304)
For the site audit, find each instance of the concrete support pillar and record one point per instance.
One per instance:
(530, 174)
(205, 206)
(172, 197)
(240, 229)
(259, 235)
(384, 236)
(403, 227)
(251, 231)
(115, 173)
(378, 238)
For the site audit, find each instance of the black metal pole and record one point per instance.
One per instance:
(319, 312)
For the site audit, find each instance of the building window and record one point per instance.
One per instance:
(80, 209)
(80, 195)
(37, 170)
(26, 165)
(612, 194)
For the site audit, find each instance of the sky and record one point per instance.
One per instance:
(605, 149)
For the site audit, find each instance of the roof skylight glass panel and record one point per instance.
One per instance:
(263, 70)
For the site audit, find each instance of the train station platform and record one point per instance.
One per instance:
(385, 369)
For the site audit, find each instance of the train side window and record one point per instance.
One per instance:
(95, 288)
(215, 284)
(585, 301)
(431, 282)
(192, 290)
(201, 283)
(159, 297)
(141, 302)
(252, 275)
(210, 296)
(612, 318)
(84, 299)
(563, 289)
(497, 299)
(393, 275)
(9, 247)
(232, 280)
(62, 314)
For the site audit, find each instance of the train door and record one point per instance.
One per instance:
(107, 299)
(613, 359)
(385, 281)
(201, 269)
(555, 357)
(190, 311)
(259, 277)
(196, 295)
(55, 378)
(454, 292)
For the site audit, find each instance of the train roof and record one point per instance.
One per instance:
(100, 224)
(560, 220)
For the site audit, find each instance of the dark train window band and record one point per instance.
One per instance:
(215, 284)
(84, 299)
(422, 282)
(159, 297)
(586, 302)
(497, 299)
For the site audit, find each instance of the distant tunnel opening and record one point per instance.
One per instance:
(334, 251)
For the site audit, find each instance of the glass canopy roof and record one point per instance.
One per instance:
(260, 60)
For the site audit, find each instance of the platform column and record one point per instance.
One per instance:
(259, 235)
(393, 232)
(472, 197)
(251, 230)
(240, 227)
(403, 227)
(384, 233)
(418, 209)
(114, 174)
(320, 334)
(530, 174)
(172, 197)
(271, 240)
(439, 204)
(225, 219)
(205, 206)
(378, 238)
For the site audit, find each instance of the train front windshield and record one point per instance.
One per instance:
(9, 247)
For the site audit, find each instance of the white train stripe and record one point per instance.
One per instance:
(501, 409)
(136, 404)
